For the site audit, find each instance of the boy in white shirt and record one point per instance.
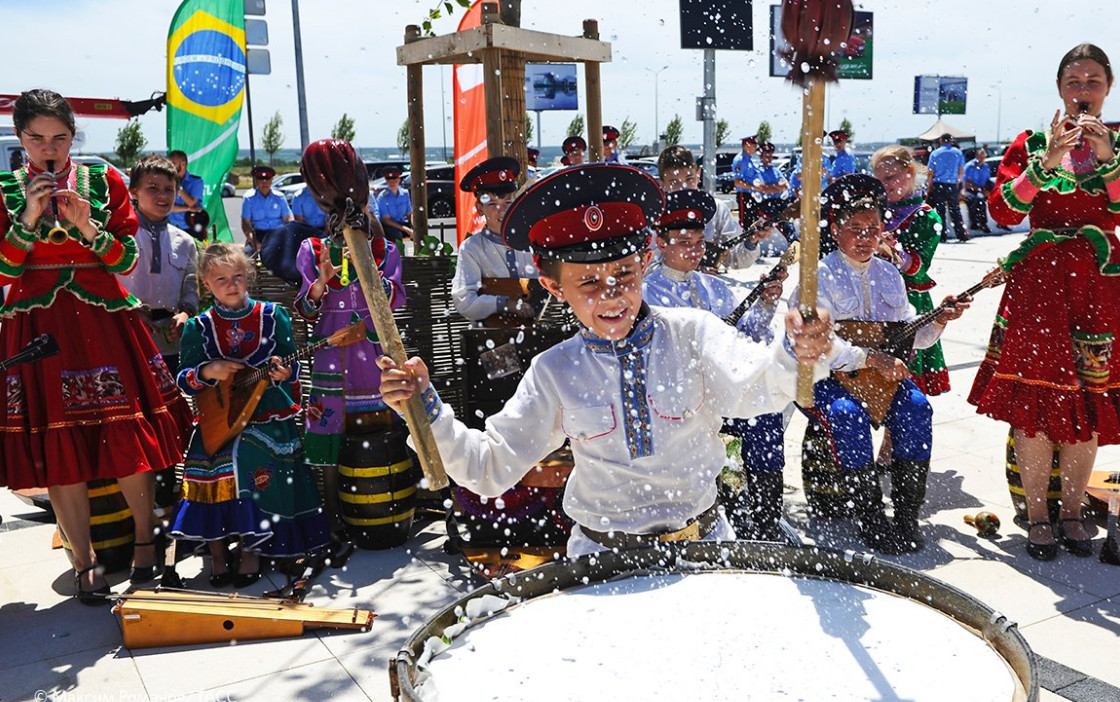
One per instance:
(641, 391)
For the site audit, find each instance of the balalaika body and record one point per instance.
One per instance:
(225, 409)
(868, 385)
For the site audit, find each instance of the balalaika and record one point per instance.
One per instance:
(787, 260)
(225, 409)
(868, 385)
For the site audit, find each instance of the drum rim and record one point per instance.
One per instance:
(862, 569)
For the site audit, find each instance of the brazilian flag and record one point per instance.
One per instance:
(205, 87)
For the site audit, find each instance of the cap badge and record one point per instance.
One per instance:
(593, 218)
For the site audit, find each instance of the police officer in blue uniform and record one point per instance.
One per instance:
(977, 183)
(531, 155)
(843, 162)
(306, 210)
(770, 184)
(262, 210)
(946, 170)
(191, 191)
(745, 170)
(611, 154)
(395, 206)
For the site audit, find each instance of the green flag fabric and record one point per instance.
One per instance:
(205, 87)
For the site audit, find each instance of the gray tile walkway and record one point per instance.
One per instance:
(1068, 610)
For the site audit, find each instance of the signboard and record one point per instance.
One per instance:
(717, 24)
(256, 32)
(856, 62)
(940, 95)
(259, 62)
(551, 86)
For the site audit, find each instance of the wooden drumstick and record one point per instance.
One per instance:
(390, 338)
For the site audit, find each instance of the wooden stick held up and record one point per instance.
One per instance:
(388, 334)
(812, 127)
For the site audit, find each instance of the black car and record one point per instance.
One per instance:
(442, 188)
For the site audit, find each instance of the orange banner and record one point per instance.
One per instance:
(470, 129)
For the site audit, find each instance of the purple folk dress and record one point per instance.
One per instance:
(343, 380)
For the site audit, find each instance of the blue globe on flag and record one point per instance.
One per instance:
(209, 68)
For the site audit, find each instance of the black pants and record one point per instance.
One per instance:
(946, 196)
(748, 209)
(977, 202)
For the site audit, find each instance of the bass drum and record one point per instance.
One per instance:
(731, 621)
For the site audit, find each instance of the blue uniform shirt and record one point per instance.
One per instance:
(265, 213)
(768, 175)
(398, 207)
(744, 168)
(194, 187)
(305, 206)
(945, 164)
(374, 210)
(843, 163)
(977, 174)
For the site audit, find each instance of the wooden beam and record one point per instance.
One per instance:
(492, 91)
(594, 99)
(416, 144)
(513, 108)
(536, 47)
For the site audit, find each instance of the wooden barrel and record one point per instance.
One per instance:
(824, 490)
(377, 479)
(1015, 482)
(110, 525)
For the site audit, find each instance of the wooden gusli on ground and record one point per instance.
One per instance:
(152, 618)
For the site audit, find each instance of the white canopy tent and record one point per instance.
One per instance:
(942, 127)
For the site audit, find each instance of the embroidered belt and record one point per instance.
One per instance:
(697, 528)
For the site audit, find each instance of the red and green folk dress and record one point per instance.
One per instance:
(918, 230)
(255, 487)
(1049, 363)
(106, 405)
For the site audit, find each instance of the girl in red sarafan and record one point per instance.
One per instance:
(1048, 371)
(106, 405)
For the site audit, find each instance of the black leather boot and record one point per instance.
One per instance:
(867, 496)
(764, 503)
(908, 493)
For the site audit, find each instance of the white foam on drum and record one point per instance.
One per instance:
(720, 636)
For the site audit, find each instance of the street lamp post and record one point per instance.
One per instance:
(656, 121)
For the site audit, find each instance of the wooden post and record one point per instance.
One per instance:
(416, 146)
(812, 131)
(492, 86)
(594, 98)
(513, 109)
(390, 338)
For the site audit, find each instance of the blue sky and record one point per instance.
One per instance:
(117, 48)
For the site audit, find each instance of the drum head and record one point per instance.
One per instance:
(723, 633)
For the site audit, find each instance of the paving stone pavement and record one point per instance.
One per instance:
(1068, 610)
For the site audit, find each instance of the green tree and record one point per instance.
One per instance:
(627, 133)
(722, 130)
(272, 139)
(575, 127)
(130, 142)
(438, 11)
(528, 128)
(673, 131)
(344, 129)
(847, 127)
(403, 135)
(764, 132)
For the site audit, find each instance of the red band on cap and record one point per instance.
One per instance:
(499, 177)
(682, 219)
(586, 224)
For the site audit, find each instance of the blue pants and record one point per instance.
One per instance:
(910, 420)
(763, 446)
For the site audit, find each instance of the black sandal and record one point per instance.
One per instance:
(142, 574)
(92, 598)
(1078, 547)
(1041, 552)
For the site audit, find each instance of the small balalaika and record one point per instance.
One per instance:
(868, 385)
(771, 212)
(225, 409)
(788, 259)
